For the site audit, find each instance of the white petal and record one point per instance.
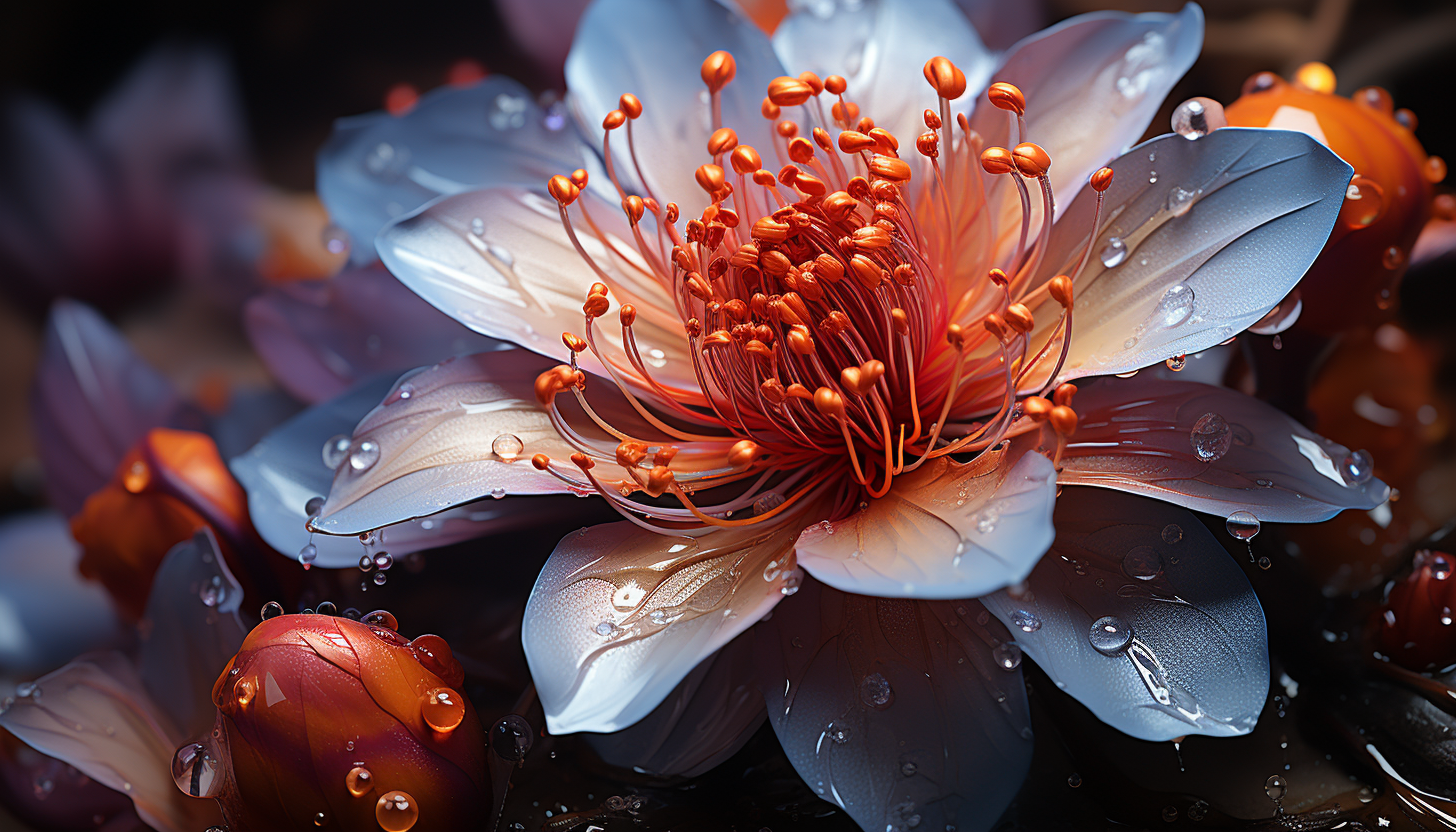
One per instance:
(1197, 661)
(1138, 435)
(880, 47)
(896, 710)
(654, 49)
(945, 530)
(515, 275)
(619, 615)
(376, 167)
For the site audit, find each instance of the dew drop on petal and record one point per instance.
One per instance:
(606, 628)
(442, 709)
(1364, 203)
(1177, 362)
(314, 507)
(1197, 117)
(1007, 655)
(874, 690)
(1172, 533)
(396, 812)
(1357, 468)
(1142, 563)
(382, 618)
(1114, 251)
(364, 455)
(1027, 621)
(195, 771)
(1180, 199)
(1211, 437)
(838, 734)
(511, 738)
(477, 226)
(507, 446)
(359, 781)
(1393, 258)
(1276, 787)
(336, 450)
(1243, 525)
(1174, 306)
(1109, 635)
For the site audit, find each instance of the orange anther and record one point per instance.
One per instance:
(664, 455)
(932, 120)
(871, 238)
(865, 125)
(659, 479)
(1019, 318)
(1036, 408)
(769, 109)
(745, 159)
(634, 208)
(575, 343)
(579, 178)
(903, 274)
(945, 78)
(801, 150)
(813, 81)
(890, 168)
(710, 177)
(853, 141)
(997, 160)
(743, 453)
(829, 403)
(772, 390)
(1031, 160)
(769, 229)
(718, 69)
(884, 138)
(698, 287)
(1007, 97)
(670, 213)
(614, 119)
(597, 289)
(866, 271)
(1064, 393)
(627, 314)
(928, 144)
(629, 104)
(796, 305)
(1064, 420)
(902, 320)
(800, 341)
(822, 138)
(799, 391)
(718, 338)
(1101, 179)
(562, 189)
(595, 306)
(764, 178)
(759, 348)
(835, 84)
(722, 141)
(541, 462)
(955, 335)
(844, 112)
(787, 129)
(788, 92)
(1060, 289)
(998, 277)
(629, 454)
(995, 325)
(828, 268)
(838, 206)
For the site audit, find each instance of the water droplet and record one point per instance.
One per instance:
(212, 592)
(874, 690)
(986, 518)
(1174, 306)
(793, 579)
(308, 554)
(507, 446)
(382, 618)
(1172, 533)
(508, 112)
(401, 393)
(1170, 814)
(1181, 199)
(837, 733)
(1243, 525)
(1198, 811)
(1074, 780)
(1197, 117)
(1152, 177)
(1177, 363)
(380, 579)
(1393, 258)
(1445, 616)
(1265, 563)
(1211, 437)
(1109, 635)
(1440, 566)
(366, 563)
(1364, 203)
(908, 768)
(1142, 563)
(320, 819)
(442, 709)
(396, 812)
(477, 226)
(1276, 788)
(606, 628)
(336, 450)
(328, 608)
(498, 493)
(195, 771)
(1114, 251)
(1007, 654)
(314, 507)
(364, 455)
(656, 357)
(335, 239)
(511, 738)
(272, 609)
(1028, 622)
(1357, 467)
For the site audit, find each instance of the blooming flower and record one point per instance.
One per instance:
(854, 361)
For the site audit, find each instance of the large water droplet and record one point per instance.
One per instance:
(272, 609)
(336, 450)
(1276, 787)
(1364, 203)
(507, 446)
(605, 628)
(508, 112)
(1211, 437)
(314, 507)
(383, 561)
(359, 781)
(1357, 468)
(382, 618)
(195, 771)
(1243, 525)
(1197, 117)
(1109, 635)
(1142, 563)
(1027, 621)
(396, 812)
(1180, 199)
(308, 554)
(1174, 306)
(511, 738)
(442, 709)
(364, 455)
(875, 691)
(1114, 251)
(1007, 654)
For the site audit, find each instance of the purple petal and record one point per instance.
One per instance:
(1212, 449)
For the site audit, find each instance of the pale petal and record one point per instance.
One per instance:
(880, 47)
(1197, 661)
(1216, 232)
(94, 398)
(1092, 84)
(320, 337)
(1137, 435)
(190, 631)
(48, 612)
(946, 530)
(896, 709)
(1001, 25)
(520, 278)
(611, 56)
(376, 167)
(94, 714)
(285, 470)
(619, 615)
(705, 720)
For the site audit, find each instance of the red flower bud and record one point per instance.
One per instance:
(1416, 628)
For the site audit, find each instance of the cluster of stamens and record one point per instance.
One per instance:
(818, 306)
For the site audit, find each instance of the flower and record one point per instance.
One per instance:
(855, 362)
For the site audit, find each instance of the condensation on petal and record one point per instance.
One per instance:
(1137, 434)
(94, 399)
(895, 709)
(500, 262)
(880, 48)
(320, 337)
(620, 616)
(704, 721)
(1183, 637)
(946, 530)
(95, 714)
(377, 167)
(1198, 241)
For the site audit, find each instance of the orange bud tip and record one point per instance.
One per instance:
(1101, 179)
